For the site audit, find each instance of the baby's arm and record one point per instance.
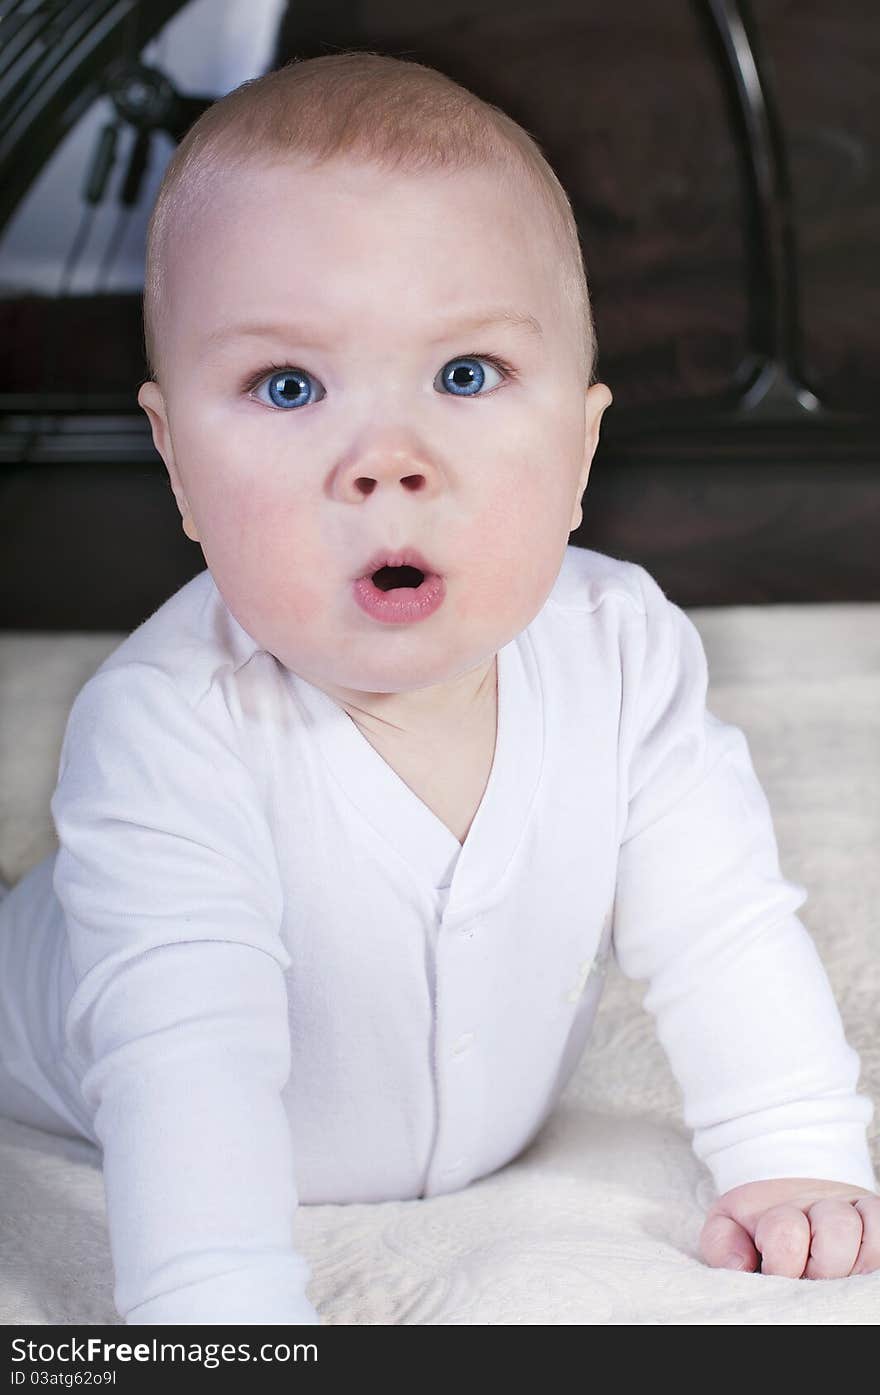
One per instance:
(743, 1006)
(179, 1020)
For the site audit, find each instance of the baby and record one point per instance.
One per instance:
(348, 827)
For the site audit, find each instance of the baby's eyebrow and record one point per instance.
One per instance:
(484, 319)
(502, 315)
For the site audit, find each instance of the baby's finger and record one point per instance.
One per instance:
(869, 1255)
(724, 1244)
(836, 1235)
(783, 1237)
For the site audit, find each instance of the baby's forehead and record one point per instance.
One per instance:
(231, 256)
(251, 207)
(301, 177)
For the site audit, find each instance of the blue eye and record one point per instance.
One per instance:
(464, 377)
(460, 377)
(289, 387)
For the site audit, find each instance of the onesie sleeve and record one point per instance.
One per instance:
(177, 1025)
(743, 1006)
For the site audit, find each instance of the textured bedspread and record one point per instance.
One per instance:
(598, 1221)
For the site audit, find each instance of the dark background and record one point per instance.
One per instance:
(730, 258)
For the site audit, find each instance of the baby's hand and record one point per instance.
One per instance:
(794, 1226)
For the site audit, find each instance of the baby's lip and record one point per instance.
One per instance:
(396, 557)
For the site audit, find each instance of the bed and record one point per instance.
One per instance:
(597, 1222)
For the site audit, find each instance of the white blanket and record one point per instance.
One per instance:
(598, 1221)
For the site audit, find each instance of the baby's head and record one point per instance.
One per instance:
(368, 328)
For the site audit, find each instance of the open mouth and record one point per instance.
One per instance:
(390, 578)
(399, 588)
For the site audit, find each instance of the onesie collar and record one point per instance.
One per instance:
(467, 875)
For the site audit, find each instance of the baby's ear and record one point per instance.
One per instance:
(150, 397)
(597, 399)
(596, 402)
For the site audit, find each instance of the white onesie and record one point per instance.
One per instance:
(260, 971)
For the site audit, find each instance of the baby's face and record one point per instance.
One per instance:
(368, 416)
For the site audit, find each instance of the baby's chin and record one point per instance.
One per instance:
(383, 679)
(385, 665)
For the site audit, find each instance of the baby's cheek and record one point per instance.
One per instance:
(260, 565)
(233, 517)
(283, 589)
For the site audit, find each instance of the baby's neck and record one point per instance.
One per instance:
(413, 716)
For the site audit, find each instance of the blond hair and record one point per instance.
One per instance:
(398, 114)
